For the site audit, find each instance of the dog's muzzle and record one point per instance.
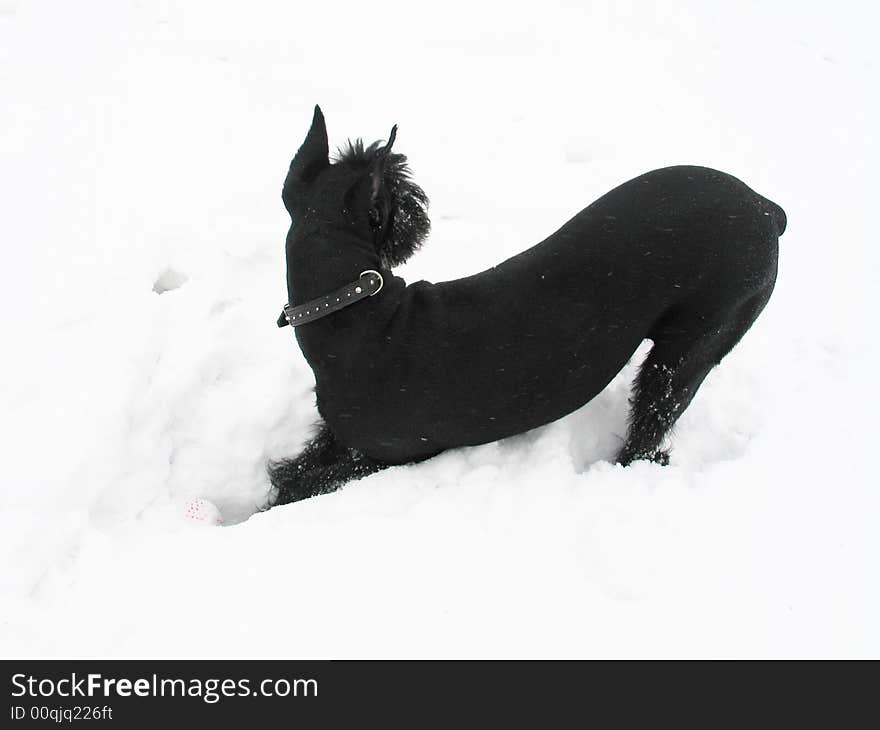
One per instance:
(368, 284)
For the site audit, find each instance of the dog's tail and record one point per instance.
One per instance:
(779, 217)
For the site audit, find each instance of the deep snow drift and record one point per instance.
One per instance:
(143, 149)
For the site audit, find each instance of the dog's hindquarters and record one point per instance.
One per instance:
(679, 361)
(694, 335)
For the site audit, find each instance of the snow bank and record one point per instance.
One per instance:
(144, 148)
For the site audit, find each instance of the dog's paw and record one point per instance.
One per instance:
(660, 457)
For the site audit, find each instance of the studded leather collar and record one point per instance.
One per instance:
(368, 284)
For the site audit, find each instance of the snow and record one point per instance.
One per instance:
(144, 145)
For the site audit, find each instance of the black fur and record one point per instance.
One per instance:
(683, 256)
(323, 466)
(400, 207)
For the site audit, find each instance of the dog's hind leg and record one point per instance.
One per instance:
(686, 347)
(323, 466)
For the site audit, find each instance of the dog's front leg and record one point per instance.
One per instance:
(323, 466)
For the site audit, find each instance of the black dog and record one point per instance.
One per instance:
(683, 256)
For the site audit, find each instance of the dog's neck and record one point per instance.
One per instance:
(325, 260)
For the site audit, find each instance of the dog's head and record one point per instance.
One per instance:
(366, 187)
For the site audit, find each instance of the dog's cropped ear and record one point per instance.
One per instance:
(400, 206)
(377, 168)
(314, 155)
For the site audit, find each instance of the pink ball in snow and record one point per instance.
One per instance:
(202, 511)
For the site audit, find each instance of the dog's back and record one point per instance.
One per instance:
(680, 255)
